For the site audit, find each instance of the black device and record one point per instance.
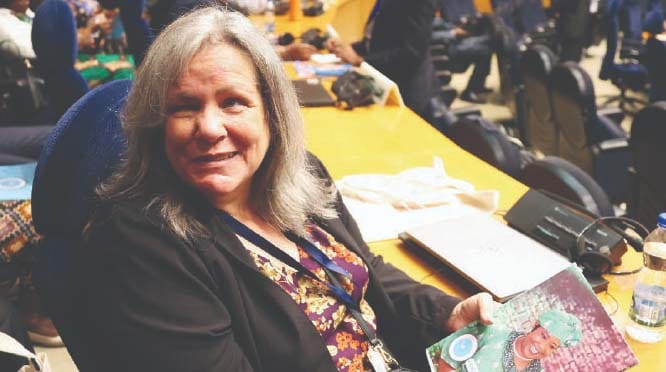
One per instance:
(312, 94)
(592, 242)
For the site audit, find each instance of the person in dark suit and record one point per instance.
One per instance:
(397, 43)
(219, 244)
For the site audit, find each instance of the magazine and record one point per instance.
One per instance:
(559, 325)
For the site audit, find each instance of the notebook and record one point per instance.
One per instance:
(491, 255)
(312, 94)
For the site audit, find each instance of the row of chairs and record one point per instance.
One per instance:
(561, 118)
(647, 147)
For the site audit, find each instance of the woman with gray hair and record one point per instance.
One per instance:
(220, 244)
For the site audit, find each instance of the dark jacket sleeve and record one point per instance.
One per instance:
(422, 309)
(151, 302)
(407, 26)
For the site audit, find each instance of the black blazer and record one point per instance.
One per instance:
(155, 303)
(399, 47)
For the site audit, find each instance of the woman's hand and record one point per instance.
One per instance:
(478, 307)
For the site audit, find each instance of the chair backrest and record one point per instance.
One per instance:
(82, 150)
(485, 140)
(455, 10)
(575, 113)
(54, 40)
(541, 132)
(568, 181)
(648, 145)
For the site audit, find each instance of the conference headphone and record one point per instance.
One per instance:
(597, 259)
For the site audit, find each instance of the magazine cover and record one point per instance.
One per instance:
(559, 325)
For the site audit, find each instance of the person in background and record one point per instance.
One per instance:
(397, 42)
(467, 50)
(221, 244)
(15, 28)
(167, 11)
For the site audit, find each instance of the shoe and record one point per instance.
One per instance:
(484, 90)
(472, 97)
(39, 326)
(41, 331)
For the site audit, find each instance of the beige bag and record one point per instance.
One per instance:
(36, 363)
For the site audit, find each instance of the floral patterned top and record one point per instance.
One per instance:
(342, 335)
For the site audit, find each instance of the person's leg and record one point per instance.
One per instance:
(478, 52)
(22, 144)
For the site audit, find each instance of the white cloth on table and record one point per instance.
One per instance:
(385, 205)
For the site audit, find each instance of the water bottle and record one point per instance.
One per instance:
(269, 22)
(648, 304)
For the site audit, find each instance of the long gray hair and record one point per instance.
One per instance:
(284, 190)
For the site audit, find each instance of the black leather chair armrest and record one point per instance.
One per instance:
(612, 159)
(614, 114)
(464, 112)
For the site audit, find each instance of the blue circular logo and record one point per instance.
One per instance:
(463, 347)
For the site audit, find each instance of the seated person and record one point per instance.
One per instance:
(397, 42)
(220, 245)
(653, 55)
(15, 29)
(168, 10)
(464, 49)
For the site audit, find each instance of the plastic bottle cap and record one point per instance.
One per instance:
(661, 221)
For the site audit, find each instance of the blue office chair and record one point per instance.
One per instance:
(540, 130)
(653, 56)
(628, 75)
(82, 151)
(139, 35)
(586, 138)
(648, 145)
(568, 181)
(55, 43)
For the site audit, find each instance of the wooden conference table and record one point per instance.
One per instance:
(392, 139)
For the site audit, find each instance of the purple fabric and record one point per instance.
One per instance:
(344, 339)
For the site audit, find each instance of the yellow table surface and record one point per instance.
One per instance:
(392, 139)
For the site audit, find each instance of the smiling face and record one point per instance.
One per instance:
(216, 133)
(537, 344)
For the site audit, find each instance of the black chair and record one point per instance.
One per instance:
(540, 130)
(81, 152)
(55, 42)
(485, 140)
(568, 181)
(648, 146)
(586, 138)
(628, 74)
